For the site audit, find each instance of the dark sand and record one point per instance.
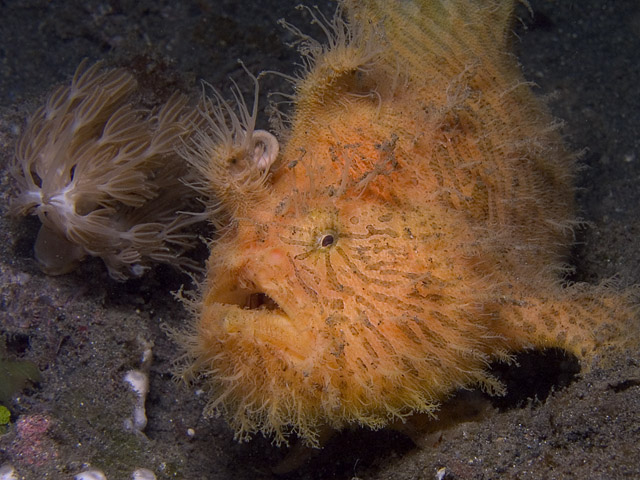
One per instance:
(84, 331)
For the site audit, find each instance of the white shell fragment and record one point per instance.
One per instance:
(7, 472)
(143, 474)
(265, 149)
(139, 382)
(90, 475)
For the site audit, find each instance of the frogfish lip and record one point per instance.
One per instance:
(246, 296)
(248, 315)
(258, 317)
(266, 326)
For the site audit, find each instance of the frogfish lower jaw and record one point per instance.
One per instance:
(246, 298)
(262, 328)
(241, 305)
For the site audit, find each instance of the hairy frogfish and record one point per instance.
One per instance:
(411, 226)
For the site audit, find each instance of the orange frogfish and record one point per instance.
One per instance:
(410, 225)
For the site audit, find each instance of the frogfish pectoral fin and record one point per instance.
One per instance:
(582, 319)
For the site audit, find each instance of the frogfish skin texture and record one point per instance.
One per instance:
(413, 228)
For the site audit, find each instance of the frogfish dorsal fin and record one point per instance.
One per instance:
(442, 37)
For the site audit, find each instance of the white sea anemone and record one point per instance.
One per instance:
(102, 175)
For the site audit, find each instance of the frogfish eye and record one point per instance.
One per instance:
(327, 240)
